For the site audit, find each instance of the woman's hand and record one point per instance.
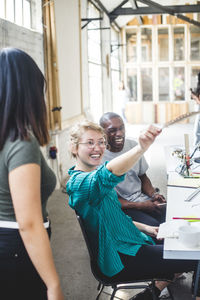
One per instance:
(148, 137)
(124, 162)
(151, 230)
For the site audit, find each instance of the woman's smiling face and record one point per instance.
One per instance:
(90, 150)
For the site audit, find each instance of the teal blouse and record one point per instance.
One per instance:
(92, 195)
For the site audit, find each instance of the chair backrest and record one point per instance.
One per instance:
(93, 263)
(86, 238)
(104, 280)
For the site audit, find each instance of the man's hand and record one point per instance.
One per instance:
(158, 198)
(146, 206)
(151, 206)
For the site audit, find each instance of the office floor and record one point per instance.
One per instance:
(69, 249)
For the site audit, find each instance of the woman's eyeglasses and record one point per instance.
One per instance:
(91, 144)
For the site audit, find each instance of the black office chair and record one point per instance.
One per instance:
(107, 281)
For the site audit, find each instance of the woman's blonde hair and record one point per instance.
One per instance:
(78, 129)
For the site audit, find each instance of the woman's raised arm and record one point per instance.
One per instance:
(124, 162)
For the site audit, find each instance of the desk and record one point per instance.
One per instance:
(177, 207)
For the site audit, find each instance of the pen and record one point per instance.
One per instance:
(194, 194)
(197, 204)
(192, 176)
(185, 218)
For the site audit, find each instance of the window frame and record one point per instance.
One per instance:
(155, 64)
(4, 15)
(96, 103)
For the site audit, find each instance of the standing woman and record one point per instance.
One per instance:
(26, 262)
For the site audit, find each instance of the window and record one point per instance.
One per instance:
(195, 43)
(179, 43)
(115, 50)
(2, 9)
(163, 44)
(179, 83)
(159, 66)
(115, 66)
(95, 87)
(146, 80)
(194, 77)
(94, 39)
(146, 41)
(94, 62)
(131, 42)
(163, 77)
(27, 13)
(132, 83)
(10, 10)
(19, 11)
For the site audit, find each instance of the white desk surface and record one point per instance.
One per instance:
(177, 207)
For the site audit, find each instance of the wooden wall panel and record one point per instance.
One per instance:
(147, 113)
(133, 112)
(168, 111)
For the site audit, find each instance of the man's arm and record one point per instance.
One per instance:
(147, 187)
(147, 206)
(129, 204)
(149, 190)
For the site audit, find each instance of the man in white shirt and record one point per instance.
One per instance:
(139, 199)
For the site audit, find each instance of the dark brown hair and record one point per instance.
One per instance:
(22, 104)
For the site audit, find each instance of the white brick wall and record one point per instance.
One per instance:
(12, 35)
(64, 159)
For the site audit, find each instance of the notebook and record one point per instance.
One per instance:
(175, 179)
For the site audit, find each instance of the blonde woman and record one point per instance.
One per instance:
(124, 249)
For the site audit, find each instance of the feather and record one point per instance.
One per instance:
(180, 118)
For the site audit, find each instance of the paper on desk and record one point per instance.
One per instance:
(175, 179)
(169, 229)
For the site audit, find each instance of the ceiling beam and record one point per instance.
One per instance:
(153, 10)
(112, 14)
(166, 9)
(88, 20)
(135, 6)
(105, 11)
(121, 4)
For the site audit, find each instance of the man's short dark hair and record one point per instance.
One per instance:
(106, 117)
